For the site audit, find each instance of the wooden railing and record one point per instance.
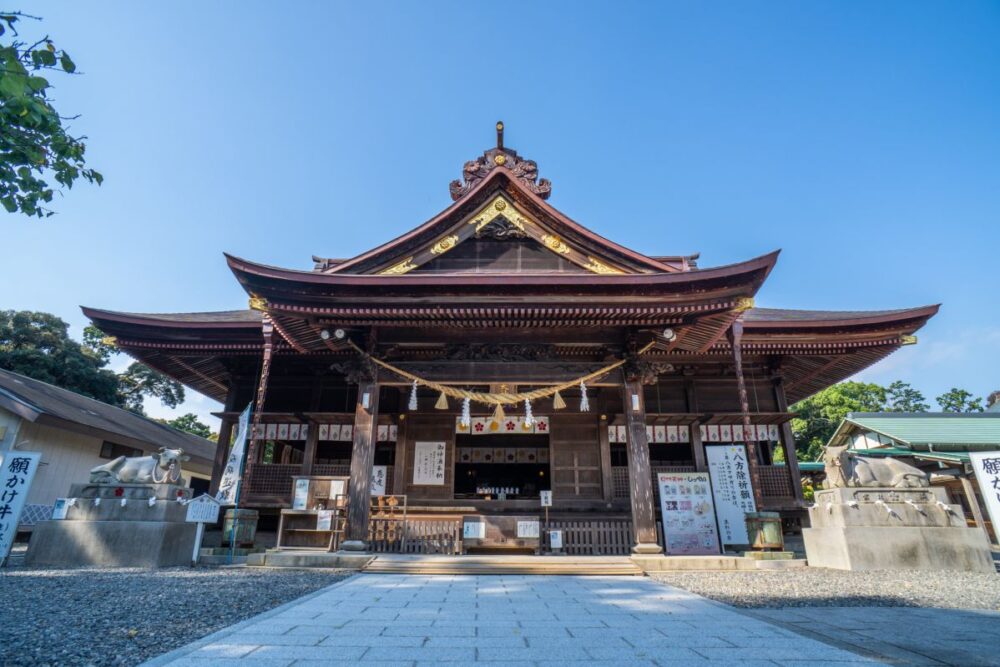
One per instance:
(595, 537)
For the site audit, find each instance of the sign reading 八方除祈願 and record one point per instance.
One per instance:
(986, 466)
(731, 490)
(428, 463)
(229, 484)
(688, 513)
(379, 474)
(17, 470)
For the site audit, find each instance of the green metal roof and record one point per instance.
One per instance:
(947, 457)
(929, 429)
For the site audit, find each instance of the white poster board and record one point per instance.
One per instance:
(428, 463)
(229, 485)
(731, 490)
(555, 539)
(17, 470)
(546, 497)
(986, 466)
(528, 529)
(473, 529)
(60, 509)
(688, 512)
(301, 494)
(379, 474)
(324, 520)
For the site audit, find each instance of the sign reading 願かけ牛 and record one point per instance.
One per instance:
(17, 470)
(689, 527)
(731, 490)
(986, 466)
(429, 463)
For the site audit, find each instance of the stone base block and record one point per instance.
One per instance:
(897, 548)
(110, 544)
(769, 555)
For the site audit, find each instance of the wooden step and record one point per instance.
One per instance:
(445, 565)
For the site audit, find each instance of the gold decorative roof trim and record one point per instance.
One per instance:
(600, 267)
(258, 303)
(743, 304)
(555, 244)
(444, 245)
(908, 340)
(399, 269)
(499, 206)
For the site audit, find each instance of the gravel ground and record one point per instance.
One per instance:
(819, 587)
(126, 616)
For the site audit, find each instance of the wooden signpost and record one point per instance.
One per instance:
(201, 510)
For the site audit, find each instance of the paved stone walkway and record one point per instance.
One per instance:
(901, 635)
(390, 619)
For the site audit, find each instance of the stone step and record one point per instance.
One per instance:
(712, 563)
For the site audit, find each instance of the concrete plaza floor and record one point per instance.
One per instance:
(393, 619)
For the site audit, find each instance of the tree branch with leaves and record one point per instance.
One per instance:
(35, 144)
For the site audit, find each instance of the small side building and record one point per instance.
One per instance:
(936, 442)
(74, 433)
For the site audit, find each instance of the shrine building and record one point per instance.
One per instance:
(502, 349)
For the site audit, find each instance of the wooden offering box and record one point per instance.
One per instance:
(318, 515)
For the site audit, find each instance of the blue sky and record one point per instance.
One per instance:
(861, 138)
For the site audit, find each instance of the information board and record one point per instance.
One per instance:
(731, 490)
(689, 527)
(428, 463)
(528, 529)
(300, 497)
(474, 529)
(203, 509)
(17, 470)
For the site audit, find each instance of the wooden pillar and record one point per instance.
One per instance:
(788, 442)
(736, 340)
(607, 480)
(697, 446)
(399, 458)
(267, 330)
(639, 469)
(362, 459)
(309, 453)
(977, 513)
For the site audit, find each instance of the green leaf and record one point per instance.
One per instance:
(67, 64)
(47, 58)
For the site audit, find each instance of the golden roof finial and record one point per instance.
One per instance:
(258, 303)
(500, 134)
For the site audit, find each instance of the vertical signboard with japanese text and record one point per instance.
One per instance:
(731, 489)
(229, 485)
(428, 463)
(17, 470)
(689, 527)
(986, 466)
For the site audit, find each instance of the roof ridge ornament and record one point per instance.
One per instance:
(525, 171)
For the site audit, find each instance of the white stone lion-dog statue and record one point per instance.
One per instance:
(848, 469)
(161, 468)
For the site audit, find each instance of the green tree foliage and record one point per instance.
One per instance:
(821, 413)
(35, 145)
(959, 400)
(190, 424)
(38, 345)
(901, 397)
(139, 381)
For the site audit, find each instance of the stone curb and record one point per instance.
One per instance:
(161, 660)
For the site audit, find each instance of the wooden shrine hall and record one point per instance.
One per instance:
(500, 350)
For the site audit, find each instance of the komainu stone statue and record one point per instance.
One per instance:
(162, 468)
(848, 469)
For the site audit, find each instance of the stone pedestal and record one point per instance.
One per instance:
(892, 528)
(147, 531)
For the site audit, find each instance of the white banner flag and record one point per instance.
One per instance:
(229, 485)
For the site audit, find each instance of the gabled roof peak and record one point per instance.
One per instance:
(525, 171)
